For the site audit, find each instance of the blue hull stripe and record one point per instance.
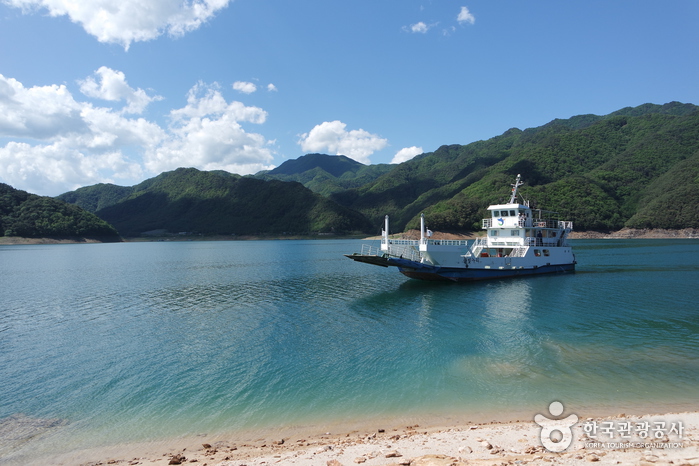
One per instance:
(467, 275)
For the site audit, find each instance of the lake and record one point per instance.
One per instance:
(103, 344)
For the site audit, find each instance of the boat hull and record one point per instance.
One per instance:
(474, 274)
(422, 271)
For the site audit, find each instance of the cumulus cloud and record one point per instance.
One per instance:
(207, 134)
(420, 27)
(40, 112)
(244, 87)
(465, 16)
(58, 143)
(128, 21)
(331, 136)
(271, 87)
(406, 154)
(112, 86)
(60, 167)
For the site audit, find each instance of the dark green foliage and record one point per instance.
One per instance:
(598, 171)
(333, 165)
(96, 197)
(636, 167)
(671, 200)
(189, 200)
(32, 216)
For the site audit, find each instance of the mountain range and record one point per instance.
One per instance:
(637, 167)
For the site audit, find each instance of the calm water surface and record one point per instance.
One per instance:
(110, 343)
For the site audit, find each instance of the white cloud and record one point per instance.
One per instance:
(57, 168)
(419, 27)
(58, 143)
(40, 112)
(244, 87)
(271, 87)
(112, 86)
(207, 134)
(465, 16)
(331, 136)
(126, 21)
(406, 154)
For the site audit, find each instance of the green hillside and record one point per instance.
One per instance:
(32, 216)
(635, 167)
(326, 174)
(96, 197)
(217, 202)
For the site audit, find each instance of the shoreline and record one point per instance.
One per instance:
(491, 443)
(625, 233)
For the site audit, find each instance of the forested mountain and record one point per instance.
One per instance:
(326, 174)
(32, 216)
(637, 167)
(216, 202)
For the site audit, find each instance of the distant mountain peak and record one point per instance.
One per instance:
(335, 165)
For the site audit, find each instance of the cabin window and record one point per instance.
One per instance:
(537, 252)
(512, 213)
(493, 232)
(504, 213)
(496, 213)
(546, 252)
(514, 232)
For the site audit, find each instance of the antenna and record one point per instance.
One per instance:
(517, 184)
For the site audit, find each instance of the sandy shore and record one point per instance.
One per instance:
(506, 443)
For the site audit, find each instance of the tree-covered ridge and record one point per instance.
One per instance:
(636, 167)
(598, 171)
(32, 216)
(96, 197)
(217, 202)
(325, 174)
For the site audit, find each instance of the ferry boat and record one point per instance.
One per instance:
(519, 241)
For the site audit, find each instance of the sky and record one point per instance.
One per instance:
(107, 91)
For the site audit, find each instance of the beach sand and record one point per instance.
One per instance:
(495, 443)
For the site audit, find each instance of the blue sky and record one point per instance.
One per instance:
(120, 91)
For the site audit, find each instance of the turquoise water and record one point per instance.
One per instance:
(112, 343)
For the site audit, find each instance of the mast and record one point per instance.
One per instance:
(385, 230)
(517, 184)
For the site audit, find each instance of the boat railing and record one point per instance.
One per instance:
(405, 251)
(445, 242)
(565, 225)
(432, 242)
(546, 242)
(478, 245)
(518, 252)
(369, 250)
(402, 242)
(535, 223)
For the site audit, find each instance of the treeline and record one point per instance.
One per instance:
(31, 216)
(216, 203)
(637, 168)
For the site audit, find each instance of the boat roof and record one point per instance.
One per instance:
(508, 206)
